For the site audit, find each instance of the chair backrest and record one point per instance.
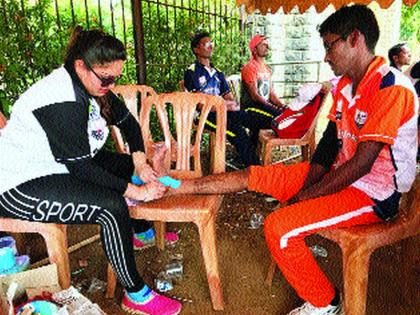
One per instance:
(134, 97)
(3, 120)
(183, 143)
(325, 91)
(181, 85)
(234, 82)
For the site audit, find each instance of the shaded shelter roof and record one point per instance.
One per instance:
(265, 6)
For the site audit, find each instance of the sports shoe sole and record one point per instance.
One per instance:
(131, 311)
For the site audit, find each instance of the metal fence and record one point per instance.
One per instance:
(155, 32)
(168, 26)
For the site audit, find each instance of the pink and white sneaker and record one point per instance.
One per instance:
(157, 305)
(170, 239)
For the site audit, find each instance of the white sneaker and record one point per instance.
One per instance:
(309, 309)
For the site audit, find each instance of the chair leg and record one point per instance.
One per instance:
(355, 275)
(57, 253)
(270, 273)
(207, 231)
(111, 283)
(160, 234)
(267, 152)
(305, 152)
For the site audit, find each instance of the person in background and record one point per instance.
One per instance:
(257, 94)
(53, 167)
(365, 160)
(399, 56)
(203, 77)
(413, 72)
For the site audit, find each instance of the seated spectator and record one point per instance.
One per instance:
(257, 94)
(413, 72)
(399, 56)
(202, 76)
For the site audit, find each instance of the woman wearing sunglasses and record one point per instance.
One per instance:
(53, 167)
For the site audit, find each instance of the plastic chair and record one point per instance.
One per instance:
(210, 133)
(54, 235)
(181, 85)
(234, 81)
(269, 140)
(133, 95)
(358, 243)
(184, 150)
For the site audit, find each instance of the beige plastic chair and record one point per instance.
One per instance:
(211, 134)
(234, 81)
(133, 96)
(54, 235)
(269, 140)
(183, 160)
(358, 243)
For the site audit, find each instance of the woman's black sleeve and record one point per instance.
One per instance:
(327, 149)
(125, 121)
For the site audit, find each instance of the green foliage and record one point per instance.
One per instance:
(32, 43)
(167, 43)
(410, 23)
(29, 47)
(33, 40)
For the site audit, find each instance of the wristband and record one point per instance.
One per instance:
(167, 181)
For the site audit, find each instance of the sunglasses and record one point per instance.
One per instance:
(208, 44)
(105, 81)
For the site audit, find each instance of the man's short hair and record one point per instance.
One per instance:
(395, 51)
(349, 18)
(195, 40)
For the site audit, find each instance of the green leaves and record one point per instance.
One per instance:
(30, 47)
(33, 39)
(410, 22)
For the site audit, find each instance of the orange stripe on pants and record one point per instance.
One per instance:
(286, 228)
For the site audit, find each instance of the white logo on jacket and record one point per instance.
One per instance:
(360, 118)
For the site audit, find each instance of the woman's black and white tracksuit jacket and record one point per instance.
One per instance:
(52, 168)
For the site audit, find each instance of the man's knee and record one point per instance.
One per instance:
(274, 226)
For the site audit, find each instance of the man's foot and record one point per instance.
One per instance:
(309, 309)
(147, 239)
(148, 302)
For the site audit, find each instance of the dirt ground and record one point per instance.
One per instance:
(243, 262)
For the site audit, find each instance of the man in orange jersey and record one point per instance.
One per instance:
(258, 98)
(365, 160)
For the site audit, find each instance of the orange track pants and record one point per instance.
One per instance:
(286, 228)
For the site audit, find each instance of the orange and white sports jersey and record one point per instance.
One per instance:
(258, 74)
(385, 109)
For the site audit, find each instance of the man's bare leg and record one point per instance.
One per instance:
(158, 158)
(222, 183)
(213, 184)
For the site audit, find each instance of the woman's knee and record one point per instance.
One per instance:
(115, 210)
